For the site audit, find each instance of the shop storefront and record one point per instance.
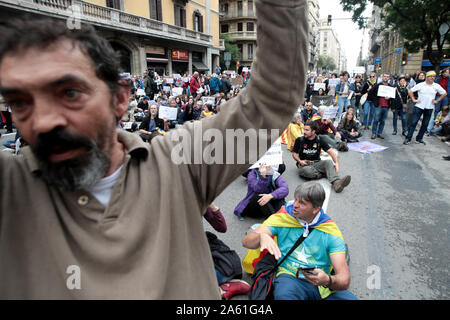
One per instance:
(157, 59)
(180, 61)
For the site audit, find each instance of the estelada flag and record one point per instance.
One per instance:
(284, 136)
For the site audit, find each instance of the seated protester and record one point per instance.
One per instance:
(152, 123)
(308, 112)
(348, 128)
(173, 104)
(186, 115)
(307, 151)
(143, 105)
(327, 131)
(265, 196)
(198, 108)
(441, 119)
(207, 111)
(295, 130)
(305, 216)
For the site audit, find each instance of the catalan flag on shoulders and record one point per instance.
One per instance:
(285, 136)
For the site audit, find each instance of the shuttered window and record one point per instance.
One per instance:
(155, 9)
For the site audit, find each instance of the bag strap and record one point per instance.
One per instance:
(297, 243)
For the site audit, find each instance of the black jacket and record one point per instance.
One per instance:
(145, 124)
(373, 96)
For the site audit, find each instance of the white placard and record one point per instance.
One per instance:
(166, 88)
(386, 91)
(350, 95)
(330, 112)
(168, 80)
(176, 76)
(140, 92)
(185, 79)
(209, 100)
(333, 82)
(273, 156)
(127, 125)
(177, 91)
(168, 112)
(317, 86)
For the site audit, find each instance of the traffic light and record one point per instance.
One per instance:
(329, 20)
(404, 58)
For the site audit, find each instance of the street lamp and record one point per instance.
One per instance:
(443, 29)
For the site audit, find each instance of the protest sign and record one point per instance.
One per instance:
(209, 100)
(333, 82)
(365, 147)
(177, 91)
(273, 156)
(318, 86)
(166, 88)
(140, 92)
(169, 80)
(330, 112)
(168, 113)
(386, 91)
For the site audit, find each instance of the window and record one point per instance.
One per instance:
(250, 51)
(198, 21)
(250, 26)
(241, 51)
(239, 5)
(224, 28)
(179, 14)
(115, 4)
(250, 9)
(239, 26)
(155, 9)
(224, 8)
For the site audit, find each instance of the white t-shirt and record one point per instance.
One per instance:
(103, 189)
(427, 93)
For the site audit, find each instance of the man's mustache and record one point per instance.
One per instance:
(59, 140)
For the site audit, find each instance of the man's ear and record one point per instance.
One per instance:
(316, 210)
(122, 99)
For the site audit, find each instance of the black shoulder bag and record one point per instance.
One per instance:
(264, 274)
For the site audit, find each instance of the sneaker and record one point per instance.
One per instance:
(380, 136)
(234, 287)
(369, 127)
(421, 141)
(340, 184)
(394, 133)
(404, 133)
(446, 158)
(406, 142)
(374, 136)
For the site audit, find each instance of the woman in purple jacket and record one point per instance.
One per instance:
(265, 196)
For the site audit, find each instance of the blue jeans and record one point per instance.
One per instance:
(439, 105)
(402, 115)
(415, 119)
(369, 107)
(287, 287)
(380, 118)
(343, 104)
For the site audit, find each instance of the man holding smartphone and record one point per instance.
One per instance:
(305, 273)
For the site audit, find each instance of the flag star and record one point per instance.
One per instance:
(302, 256)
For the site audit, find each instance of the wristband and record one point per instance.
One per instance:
(330, 282)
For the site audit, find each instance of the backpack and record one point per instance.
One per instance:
(225, 260)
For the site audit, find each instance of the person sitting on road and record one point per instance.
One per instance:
(308, 112)
(265, 196)
(306, 153)
(305, 274)
(441, 119)
(152, 123)
(348, 128)
(207, 111)
(295, 130)
(327, 131)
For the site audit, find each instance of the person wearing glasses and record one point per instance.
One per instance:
(424, 104)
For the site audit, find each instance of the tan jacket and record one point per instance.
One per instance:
(149, 242)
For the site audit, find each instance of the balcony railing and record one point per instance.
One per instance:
(237, 15)
(243, 34)
(112, 18)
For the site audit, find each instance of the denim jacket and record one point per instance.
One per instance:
(340, 87)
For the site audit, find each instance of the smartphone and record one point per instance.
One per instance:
(307, 269)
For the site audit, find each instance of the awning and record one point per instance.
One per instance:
(200, 66)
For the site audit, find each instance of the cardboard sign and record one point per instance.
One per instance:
(386, 91)
(209, 100)
(177, 92)
(330, 112)
(273, 156)
(140, 92)
(318, 86)
(168, 112)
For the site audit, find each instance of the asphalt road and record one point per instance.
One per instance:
(394, 217)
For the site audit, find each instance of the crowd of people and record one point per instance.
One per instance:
(88, 193)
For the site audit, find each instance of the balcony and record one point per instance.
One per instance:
(242, 35)
(236, 15)
(108, 18)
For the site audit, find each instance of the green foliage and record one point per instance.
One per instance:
(326, 63)
(418, 22)
(230, 46)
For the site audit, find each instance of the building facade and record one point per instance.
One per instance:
(168, 36)
(387, 52)
(314, 24)
(238, 22)
(329, 44)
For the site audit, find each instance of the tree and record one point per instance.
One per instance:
(418, 22)
(326, 63)
(230, 46)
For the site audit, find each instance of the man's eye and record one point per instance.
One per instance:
(16, 104)
(71, 93)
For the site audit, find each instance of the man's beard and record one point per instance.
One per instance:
(78, 173)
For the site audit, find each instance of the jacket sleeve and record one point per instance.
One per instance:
(257, 185)
(260, 112)
(282, 189)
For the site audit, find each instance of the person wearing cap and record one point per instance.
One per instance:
(424, 104)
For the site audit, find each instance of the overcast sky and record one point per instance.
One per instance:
(349, 35)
